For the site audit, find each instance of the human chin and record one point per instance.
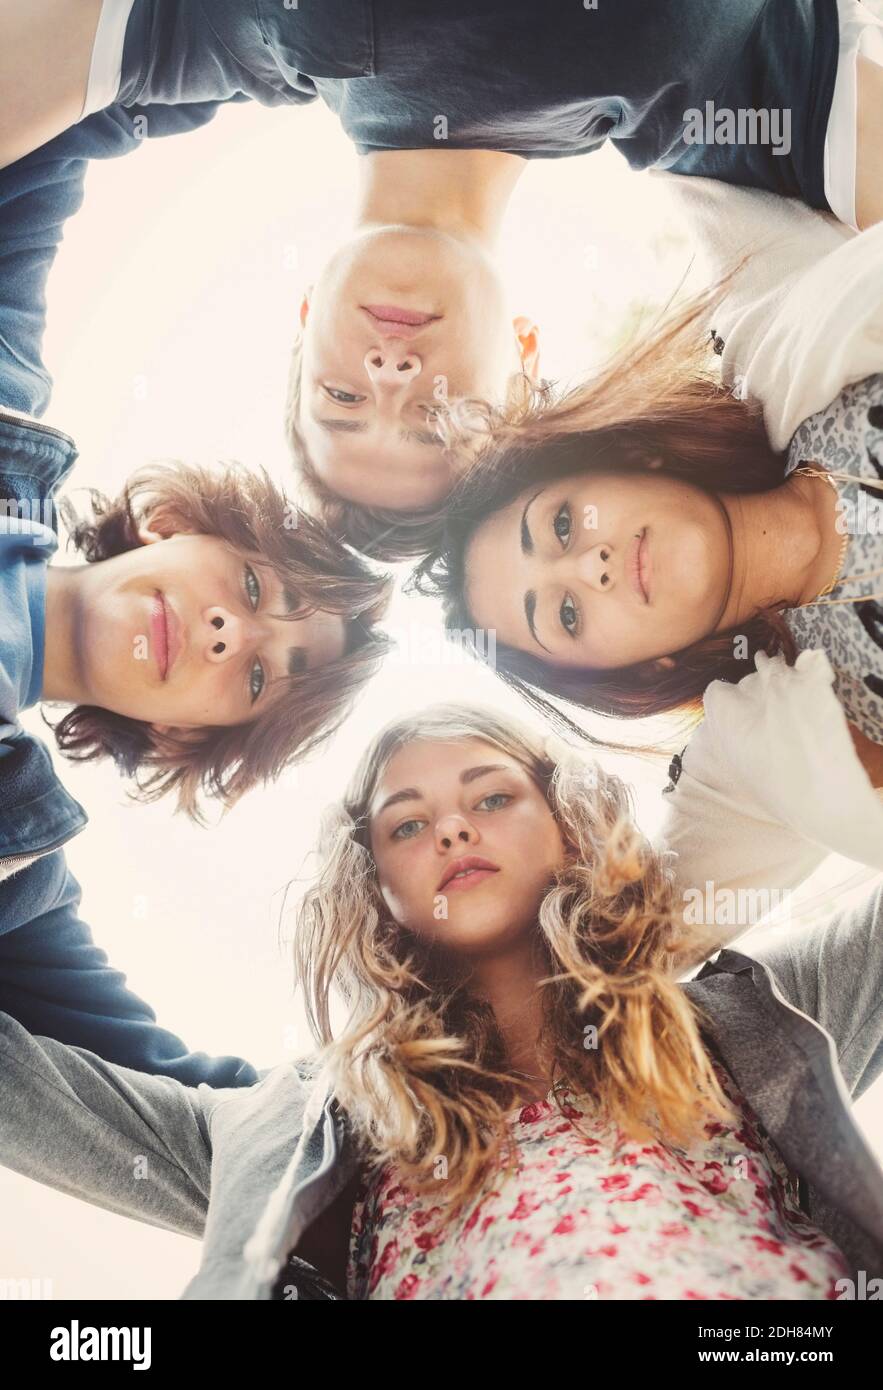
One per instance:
(492, 916)
(118, 666)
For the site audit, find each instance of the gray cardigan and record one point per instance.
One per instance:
(254, 1172)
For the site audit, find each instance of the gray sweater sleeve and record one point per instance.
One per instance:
(129, 1142)
(834, 973)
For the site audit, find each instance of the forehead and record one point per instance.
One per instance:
(429, 764)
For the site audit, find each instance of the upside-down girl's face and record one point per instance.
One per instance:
(465, 844)
(601, 570)
(188, 632)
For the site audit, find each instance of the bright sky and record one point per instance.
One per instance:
(172, 309)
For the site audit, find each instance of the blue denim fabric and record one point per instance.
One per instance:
(53, 978)
(539, 80)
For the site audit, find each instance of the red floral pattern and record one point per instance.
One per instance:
(582, 1219)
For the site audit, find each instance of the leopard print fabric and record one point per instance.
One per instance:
(847, 436)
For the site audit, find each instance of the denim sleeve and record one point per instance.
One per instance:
(834, 973)
(57, 983)
(37, 196)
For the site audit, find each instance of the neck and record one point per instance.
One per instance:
(61, 665)
(784, 547)
(509, 984)
(462, 192)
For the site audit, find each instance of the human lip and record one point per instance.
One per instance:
(638, 564)
(391, 322)
(166, 632)
(465, 873)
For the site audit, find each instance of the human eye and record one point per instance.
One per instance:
(407, 831)
(500, 799)
(343, 397)
(252, 587)
(256, 681)
(568, 616)
(562, 524)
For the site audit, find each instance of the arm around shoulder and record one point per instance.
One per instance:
(133, 1144)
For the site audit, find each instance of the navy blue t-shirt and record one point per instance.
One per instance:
(538, 78)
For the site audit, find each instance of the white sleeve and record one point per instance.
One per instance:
(771, 783)
(827, 334)
(804, 318)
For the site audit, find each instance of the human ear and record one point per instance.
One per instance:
(305, 306)
(148, 537)
(527, 335)
(649, 671)
(181, 733)
(159, 525)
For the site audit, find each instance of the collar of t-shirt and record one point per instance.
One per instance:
(26, 546)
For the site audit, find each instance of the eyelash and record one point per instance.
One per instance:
(343, 397)
(414, 821)
(255, 603)
(567, 603)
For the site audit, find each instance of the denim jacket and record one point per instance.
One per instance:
(53, 979)
(267, 1177)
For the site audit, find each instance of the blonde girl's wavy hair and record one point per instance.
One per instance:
(419, 1064)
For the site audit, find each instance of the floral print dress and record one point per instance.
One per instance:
(580, 1221)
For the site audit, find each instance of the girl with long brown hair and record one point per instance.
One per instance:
(636, 538)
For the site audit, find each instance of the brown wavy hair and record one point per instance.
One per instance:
(247, 510)
(657, 405)
(419, 1064)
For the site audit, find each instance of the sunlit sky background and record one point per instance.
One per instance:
(172, 309)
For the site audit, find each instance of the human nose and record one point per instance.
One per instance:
(228, 635)
(454, 830)
(392, 367)
(594, 567)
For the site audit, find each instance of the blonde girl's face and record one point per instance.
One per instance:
(464, 843)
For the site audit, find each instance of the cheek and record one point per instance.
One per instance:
(399, 880)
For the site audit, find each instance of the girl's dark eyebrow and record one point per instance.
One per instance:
(530, 608)
(530, 598)
(526, 537)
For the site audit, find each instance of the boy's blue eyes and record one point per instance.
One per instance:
(256, 678)
(256, 681)
(344, 397)
(252, 587)
(406, 832)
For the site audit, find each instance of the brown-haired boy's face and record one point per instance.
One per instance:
(400, 319)
(185, 632)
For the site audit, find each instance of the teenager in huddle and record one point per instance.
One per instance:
(518, 1098)
(213, 636)
(446, 104)
(638, 538)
